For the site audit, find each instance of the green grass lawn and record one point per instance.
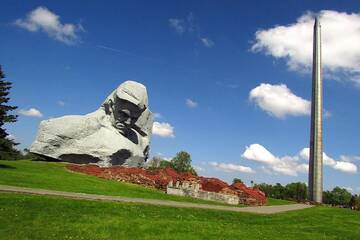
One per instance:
(273, 201)
(54, 176)
(42, 217)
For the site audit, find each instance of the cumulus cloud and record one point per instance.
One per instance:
(345, 167)
(207, 42)
(178, 25)
(342, 165)
(229, 167)
(292, 165)
(32, 112)
(259, 153)
(293, 42)
(279, 101)
(42, 19)
(163, 129)
(191, 103)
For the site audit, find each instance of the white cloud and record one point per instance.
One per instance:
(345, 167)
(199, 169)
(348, 158)
(293, 42)
(229, 167)
(349, 189)
(341, 165)
(163, 129)
(157, 115)
(187, 26)
(32, 112)
(11, 137)
(279, 101)
(61, 103)
(178, 25)
(292, 165)
(191, 104)
(207, 42)
(42, 19)
(257, 152)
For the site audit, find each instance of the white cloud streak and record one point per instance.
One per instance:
(293, 42)
(279, 101)
(42, 19)
(178, 25)
(191, 103)
(186, 25)
(163, 129)
(61, 103)
(207, 42)
(32, 112)
(229, 167)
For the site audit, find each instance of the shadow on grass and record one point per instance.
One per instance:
(7, 166)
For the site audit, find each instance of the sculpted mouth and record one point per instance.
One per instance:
(120, 125)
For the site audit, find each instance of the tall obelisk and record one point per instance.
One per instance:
(316, 141)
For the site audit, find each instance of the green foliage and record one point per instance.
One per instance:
(296, 191)
(8, 151)
(44, 217)
(165, 164)
(292, 191)
(7, 146)
(158, 163)
(338, 197)
(356, 202)
(182, 163)
(237, 180)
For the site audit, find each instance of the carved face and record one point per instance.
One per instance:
(124, 115)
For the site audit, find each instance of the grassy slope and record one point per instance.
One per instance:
(39, 217)
(273, 201)
(53, 176)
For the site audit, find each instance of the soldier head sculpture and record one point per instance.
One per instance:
(125, 105)
(118, 133)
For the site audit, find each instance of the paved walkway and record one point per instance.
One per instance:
(74, 195)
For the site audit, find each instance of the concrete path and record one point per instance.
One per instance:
(86, 196)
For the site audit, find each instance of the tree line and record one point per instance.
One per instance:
(298, 191)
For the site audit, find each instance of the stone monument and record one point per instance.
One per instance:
(118, 133)
(316, 137)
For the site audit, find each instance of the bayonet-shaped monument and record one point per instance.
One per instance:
(316, 141)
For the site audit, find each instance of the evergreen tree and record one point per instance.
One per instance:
(7, 150)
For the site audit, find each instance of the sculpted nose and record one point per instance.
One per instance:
(127, 121)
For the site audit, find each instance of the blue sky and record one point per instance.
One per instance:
(230, 81)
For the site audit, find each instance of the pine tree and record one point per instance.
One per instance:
(7, 150)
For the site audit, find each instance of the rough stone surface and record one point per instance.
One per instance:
(192, 189)
(118, 133)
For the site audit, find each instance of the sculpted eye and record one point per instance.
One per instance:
(124, 114)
